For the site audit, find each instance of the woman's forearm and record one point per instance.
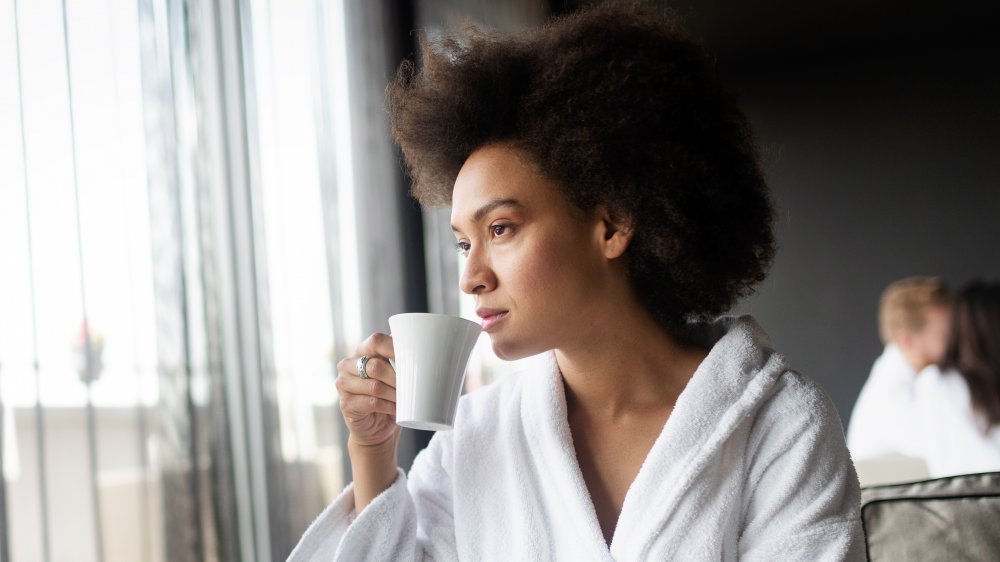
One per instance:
(374, 468)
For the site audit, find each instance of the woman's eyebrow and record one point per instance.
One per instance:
(490, 206)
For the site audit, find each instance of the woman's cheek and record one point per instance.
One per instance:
(536, 266)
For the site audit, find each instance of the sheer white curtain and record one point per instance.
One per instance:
(77, 374)
(179, 271)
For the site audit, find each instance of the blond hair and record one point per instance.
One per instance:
(904, 303)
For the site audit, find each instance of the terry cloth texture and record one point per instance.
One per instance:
(751, 465)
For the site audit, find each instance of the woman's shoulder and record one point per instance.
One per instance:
(797, 404)
(768, 393)
(796, 392)
(935, 379)
(798, 426)
(944, 395)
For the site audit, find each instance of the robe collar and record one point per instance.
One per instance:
(738, 373)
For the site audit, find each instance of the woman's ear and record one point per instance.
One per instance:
(616, 233)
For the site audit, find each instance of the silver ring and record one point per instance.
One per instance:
(362, 361)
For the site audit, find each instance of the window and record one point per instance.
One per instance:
(178, 273)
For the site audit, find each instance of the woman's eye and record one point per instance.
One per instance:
(499, 229)
(463, 247)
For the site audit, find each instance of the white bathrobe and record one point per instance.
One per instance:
(885, 420)
(750, 465)
(952, 436)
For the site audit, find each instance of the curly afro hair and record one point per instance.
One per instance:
(617, 106)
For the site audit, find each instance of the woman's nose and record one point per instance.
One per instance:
(478, 276)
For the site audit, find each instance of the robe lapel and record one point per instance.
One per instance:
(543, 413)
(737, 374)
(711, 406)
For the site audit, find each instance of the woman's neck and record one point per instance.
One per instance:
(627, 365)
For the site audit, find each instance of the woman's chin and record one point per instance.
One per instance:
(509, 350)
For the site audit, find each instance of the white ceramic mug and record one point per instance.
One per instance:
(432, 353)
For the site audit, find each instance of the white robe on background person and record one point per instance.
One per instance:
(953, 441)
(885, 421)
(751, 465)
(927, 416)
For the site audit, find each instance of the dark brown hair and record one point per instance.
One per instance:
(974, 347)
(617, 106)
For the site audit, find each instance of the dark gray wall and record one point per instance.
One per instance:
(881, 127)
(882, 142)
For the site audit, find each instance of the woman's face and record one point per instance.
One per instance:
(534, 263)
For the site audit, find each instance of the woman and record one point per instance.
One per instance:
(606, 195)
(959, 406)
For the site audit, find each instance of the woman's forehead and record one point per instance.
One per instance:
(499, 173)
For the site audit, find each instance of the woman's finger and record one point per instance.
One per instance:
(357, 406)
(380, 369)
(372, 386)
(377, 344)
(376, 367)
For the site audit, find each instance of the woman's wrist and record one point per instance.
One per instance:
(374, 468)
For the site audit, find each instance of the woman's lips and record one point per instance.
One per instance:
(491, 318)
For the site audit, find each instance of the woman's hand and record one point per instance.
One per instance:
(369, 408)
(369, 405)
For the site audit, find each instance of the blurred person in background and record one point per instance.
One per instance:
(607, 196)
(914, 315)
(959, 406)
